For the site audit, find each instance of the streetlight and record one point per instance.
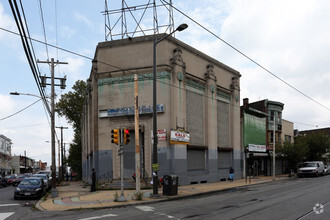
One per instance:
(19, 93)
(154, 115)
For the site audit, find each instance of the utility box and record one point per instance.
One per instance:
(170, 185)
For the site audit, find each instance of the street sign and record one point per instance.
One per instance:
(120, 152)
(155, 167)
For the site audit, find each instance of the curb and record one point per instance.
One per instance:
(163, 198)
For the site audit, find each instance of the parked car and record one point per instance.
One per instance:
(311, 168)
(30, 187)
(19, 179)
(45, 178)
(10, 179)
(3, 181)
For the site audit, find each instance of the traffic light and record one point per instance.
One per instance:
(126, 136)
(115, 136)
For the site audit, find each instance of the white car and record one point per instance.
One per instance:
(311, 168)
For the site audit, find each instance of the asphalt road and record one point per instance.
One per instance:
(289, 199)
(10, 208)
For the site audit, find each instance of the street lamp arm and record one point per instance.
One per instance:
(19, 93)
(180, 28)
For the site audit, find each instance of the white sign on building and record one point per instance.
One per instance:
(179, 137)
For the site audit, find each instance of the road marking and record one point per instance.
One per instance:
(145, 208)
(2, 205)
(98, 217)
(5, 215)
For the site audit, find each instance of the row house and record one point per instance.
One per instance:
(261, 122)
(5, 155)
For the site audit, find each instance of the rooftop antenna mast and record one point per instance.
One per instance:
(134, 16)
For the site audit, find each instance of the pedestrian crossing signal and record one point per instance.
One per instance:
(126, 136)
(115, 136)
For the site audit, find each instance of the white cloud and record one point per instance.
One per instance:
(290, 39)
(7, 23)
(82, 18)
(67, 32)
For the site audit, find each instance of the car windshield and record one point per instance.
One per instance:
(41, 176)
(20, 176)
(30, 182)
(309, 165)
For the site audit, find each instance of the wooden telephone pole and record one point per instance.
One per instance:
(52, 114)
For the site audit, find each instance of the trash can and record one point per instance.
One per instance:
(170, 185)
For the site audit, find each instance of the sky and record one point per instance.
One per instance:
(290, 39)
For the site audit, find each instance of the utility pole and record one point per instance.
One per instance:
(274, 136)
(62, 154)
(52, 114)
(137, 132)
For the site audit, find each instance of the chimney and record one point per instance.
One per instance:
(245, 102)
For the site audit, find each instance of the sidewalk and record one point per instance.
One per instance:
(75, 195)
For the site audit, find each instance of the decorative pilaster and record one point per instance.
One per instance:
(211, 119)
(178, 112)
(236, 134)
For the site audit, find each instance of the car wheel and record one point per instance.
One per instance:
(15, 198)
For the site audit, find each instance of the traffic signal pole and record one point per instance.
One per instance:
(122, 196)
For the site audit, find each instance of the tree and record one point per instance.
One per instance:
(70, 106)
(294, 153)
(317, 143)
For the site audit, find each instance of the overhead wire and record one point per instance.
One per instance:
(119, 68)
(9, 116)
(43, 27)
(246, 56)
(26, 47)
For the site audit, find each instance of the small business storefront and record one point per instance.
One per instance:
(256, 160)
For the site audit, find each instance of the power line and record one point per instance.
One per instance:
(43, 26)
(1, 119)
(246, 56)
(27, 49)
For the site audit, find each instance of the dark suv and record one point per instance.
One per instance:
(3, 181)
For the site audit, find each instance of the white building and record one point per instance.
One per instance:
(5, 155)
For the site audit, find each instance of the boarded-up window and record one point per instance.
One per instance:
(195, 117)
(224, 159)
(196, 159)
(223, 124)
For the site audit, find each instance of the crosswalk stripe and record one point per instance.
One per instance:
(2, 205)
(5, 215)
(98, 217)
(145, 208)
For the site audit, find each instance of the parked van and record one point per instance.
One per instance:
(311, 168)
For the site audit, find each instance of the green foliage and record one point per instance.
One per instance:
(138, 195)
(306, 148)
(317, 145)
(70, 106)
(293, 153)
(74, 159)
